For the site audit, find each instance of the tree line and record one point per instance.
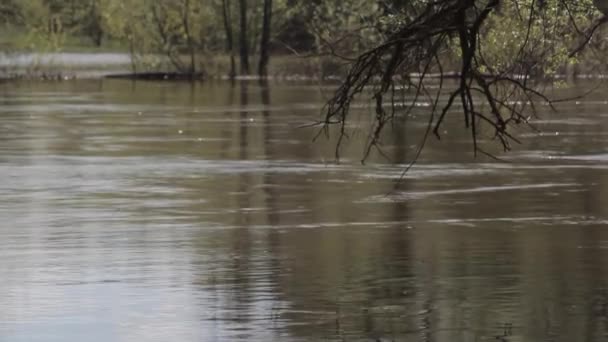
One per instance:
(185, 32)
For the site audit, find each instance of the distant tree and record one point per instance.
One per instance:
(83, 17)
(265, 41)
(185, 16)
(342, 26)
(243, 38)
(9, 12)
(92, 25)
(227, 21)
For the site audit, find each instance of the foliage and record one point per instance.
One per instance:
(546, 34)
(181, 34)
(159, 26)
(497, 45)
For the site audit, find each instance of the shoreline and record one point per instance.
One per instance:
(117, 65)
(171, 76)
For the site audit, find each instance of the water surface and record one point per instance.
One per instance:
(170, 211)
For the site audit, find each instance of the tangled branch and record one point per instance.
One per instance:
(489, 96)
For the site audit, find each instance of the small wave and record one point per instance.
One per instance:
(415, 195)
(601, 157)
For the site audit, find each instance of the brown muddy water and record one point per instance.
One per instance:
(177, 212)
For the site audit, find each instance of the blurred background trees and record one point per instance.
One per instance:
(189, 36)
(181, 34)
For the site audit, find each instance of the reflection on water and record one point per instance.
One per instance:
(169, 211)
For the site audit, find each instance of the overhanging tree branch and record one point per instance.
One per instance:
(490, 95)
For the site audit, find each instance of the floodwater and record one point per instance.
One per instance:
(64, 64)
(64, 58)
(178, 212)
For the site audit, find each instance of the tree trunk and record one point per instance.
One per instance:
(243, 42)
(190, 41)
(265, 41)
(229, 39)
(95, 26)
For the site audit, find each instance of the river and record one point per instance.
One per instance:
(205, 212)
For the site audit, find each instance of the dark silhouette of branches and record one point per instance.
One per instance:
(487, 95)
